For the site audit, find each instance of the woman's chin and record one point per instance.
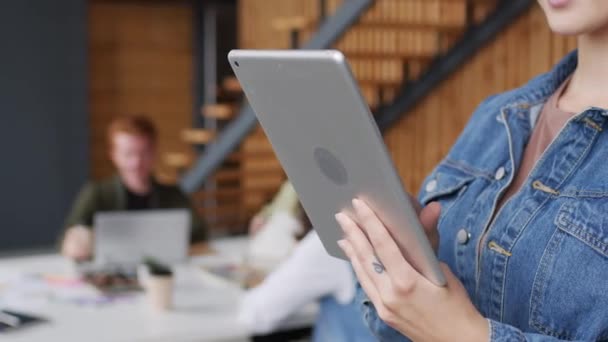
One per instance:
(568, 28)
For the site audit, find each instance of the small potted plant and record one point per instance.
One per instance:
(158, 284)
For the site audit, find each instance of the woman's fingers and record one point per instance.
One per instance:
(384, 245)
(364, 252)
(403, 277)
(366, 282)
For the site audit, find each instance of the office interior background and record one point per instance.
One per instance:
(69, 67)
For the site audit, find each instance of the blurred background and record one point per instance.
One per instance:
(68, 67)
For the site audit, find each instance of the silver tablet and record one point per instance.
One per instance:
(325, 137)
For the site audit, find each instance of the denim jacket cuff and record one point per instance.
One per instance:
(500, 332)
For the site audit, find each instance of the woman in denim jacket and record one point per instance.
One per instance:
(521, 204)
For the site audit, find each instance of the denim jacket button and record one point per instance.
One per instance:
(431, 186)
(463, 236)
(500, 173)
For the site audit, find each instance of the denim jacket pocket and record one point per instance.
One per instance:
(570, 291)
(445, 185)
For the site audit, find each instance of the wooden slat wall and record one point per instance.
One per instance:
(140, 63)
(420, 140)
(257, 30)
(256, 18)
(377, 48)
(394, 33)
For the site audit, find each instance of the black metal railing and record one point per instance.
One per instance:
(476, 36)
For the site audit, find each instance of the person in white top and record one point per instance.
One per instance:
(305, 276)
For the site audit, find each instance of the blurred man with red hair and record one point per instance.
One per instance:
(132, 147)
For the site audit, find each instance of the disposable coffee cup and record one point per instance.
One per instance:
(159, 291)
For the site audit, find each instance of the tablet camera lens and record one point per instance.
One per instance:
(331, 166)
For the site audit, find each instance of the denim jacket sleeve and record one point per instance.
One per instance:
(499, 332)
(381, 330)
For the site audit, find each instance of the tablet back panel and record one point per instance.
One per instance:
(325, 137)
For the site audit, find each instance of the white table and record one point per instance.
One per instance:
(203, 310)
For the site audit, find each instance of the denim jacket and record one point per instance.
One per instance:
(340, 323)
(538, 271)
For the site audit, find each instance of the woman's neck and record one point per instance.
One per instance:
(587, 86)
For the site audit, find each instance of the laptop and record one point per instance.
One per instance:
(325, 137)
(126, 238)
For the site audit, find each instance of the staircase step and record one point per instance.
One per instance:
(178, 160)
(218, 111)
(197, 136)
(293, 23)
(261, 154)
(380, 55)
(228, 175)
(219, 194)
(165, 177)
(261, 166)
(373, 68)
(239, 156)
(411, 26)
(235, 157)
(181, 160)
(379, 83)
(231, 84)
(251, 172)
(256, 144)
(455, 23)
(227, 193)
(266, 183)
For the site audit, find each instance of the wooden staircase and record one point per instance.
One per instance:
(391, 46)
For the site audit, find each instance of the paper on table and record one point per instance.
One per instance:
(32, 291)
(24, 291)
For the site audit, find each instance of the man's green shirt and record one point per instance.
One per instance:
(111, 195)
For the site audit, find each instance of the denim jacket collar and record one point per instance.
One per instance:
(537, 91)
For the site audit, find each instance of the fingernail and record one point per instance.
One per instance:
(356, 203)
(338, 218)
(341, 244)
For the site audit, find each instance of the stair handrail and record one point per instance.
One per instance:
(476, 37)
(237, 130)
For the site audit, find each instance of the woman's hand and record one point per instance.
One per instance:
(403, 298)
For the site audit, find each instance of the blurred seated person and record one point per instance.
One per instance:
(274, 230)
(132, 149)
(286, 201)
(307, 275)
